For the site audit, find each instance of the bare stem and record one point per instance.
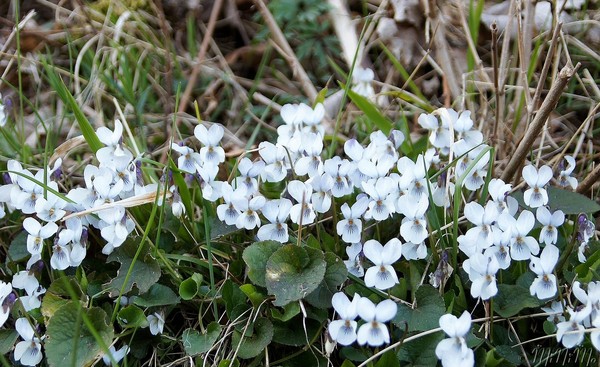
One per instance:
(539, 121)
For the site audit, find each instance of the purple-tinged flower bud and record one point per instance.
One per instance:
(442, 178)
(57, 174)
(581, 219)
(585, 228)
(6, 178)
(8, 104)
(37, 267)
(561, 165)
(9, 301)
(124, 219)
(84, 236)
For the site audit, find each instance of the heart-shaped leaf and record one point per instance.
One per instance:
(256, 257)
(132, 317)
(292, 272)
(70, 342)
(145, 270)
(253, 345)
(196, 343)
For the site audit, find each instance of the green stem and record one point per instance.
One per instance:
(211, 272)
(137, 254)
(567, 252)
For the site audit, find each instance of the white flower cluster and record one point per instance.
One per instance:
(373, 182)
(453, 351)
(499, 236)
(117, 177)
(385, 185)
(584, 316)
(372, 332)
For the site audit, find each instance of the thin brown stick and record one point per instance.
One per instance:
(544, 73)
(288, 54)
(494, 29)
(212, 21)
(586, 185)
(539, 121)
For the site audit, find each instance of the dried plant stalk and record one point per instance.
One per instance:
(539, 121)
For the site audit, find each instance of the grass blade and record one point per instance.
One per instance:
(65, 95)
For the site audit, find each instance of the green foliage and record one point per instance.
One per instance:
(510, 354)
(70, 341)
(196, 343)
(511, 299)
(59, 294)
(132, 317)
(290, 333)
(388, 359)
(157, 295)
(143, 271)
(381, 122)
(421, 351)
(587, 270)
(8, 338)
(17, 250)
(190, 287)
(256, 257)
(235, 299)
(568, 201)
(425, 316)
(65, 95)
(254, 343)
(293, 272)
(306, 26)
(335, 274)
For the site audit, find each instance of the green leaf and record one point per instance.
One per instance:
(307, 358)
(405, 75)
(8, 337)
(289, 311)
(388, 359)
(144, 273)
(255, 296)
(69, 341)
(568, 201)
(256, 257)
(157, 295)
(228, 363)
(510, 354)
(421, 351)
(219, 228)
(190, 287)
(549, 327)
(292, 332)
(65, 95)
(354, 354)
(17, 250)
(58, 295)
(335, 274)
(587, 270)
(321, 96)
(195, 343)
(292, 272)
(429, 308)
(235, 299)
(347, 363)
(511, 299)
(253, 345)
(132, 317)
(371, 111)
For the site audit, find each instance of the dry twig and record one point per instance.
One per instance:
(539, 121)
